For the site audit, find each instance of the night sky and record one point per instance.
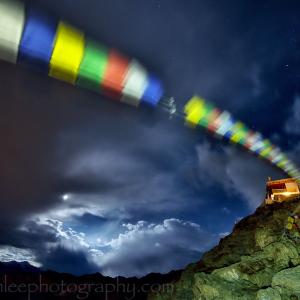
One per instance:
(90, 185)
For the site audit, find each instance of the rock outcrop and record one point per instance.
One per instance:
(258, 260)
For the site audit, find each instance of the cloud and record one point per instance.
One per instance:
(51, 245)
(146, 247)
(66, 260)
(236, 172)
(9, 253)
(292, 125)
(141, 248)
(128, 176)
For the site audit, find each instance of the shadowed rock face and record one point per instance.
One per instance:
(256, 261)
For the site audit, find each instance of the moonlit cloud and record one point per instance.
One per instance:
(165, 246)
(8, 254)
(140, 248)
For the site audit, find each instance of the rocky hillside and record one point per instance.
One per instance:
(258, 260)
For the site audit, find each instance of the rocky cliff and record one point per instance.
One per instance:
(259, 260)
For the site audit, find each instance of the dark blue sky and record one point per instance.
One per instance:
(90, 185)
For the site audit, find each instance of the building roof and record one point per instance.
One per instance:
(280, 181)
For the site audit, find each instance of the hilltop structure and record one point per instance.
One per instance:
(281, 190)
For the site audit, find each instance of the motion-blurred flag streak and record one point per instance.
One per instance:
(34, 39)
(237, 133)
